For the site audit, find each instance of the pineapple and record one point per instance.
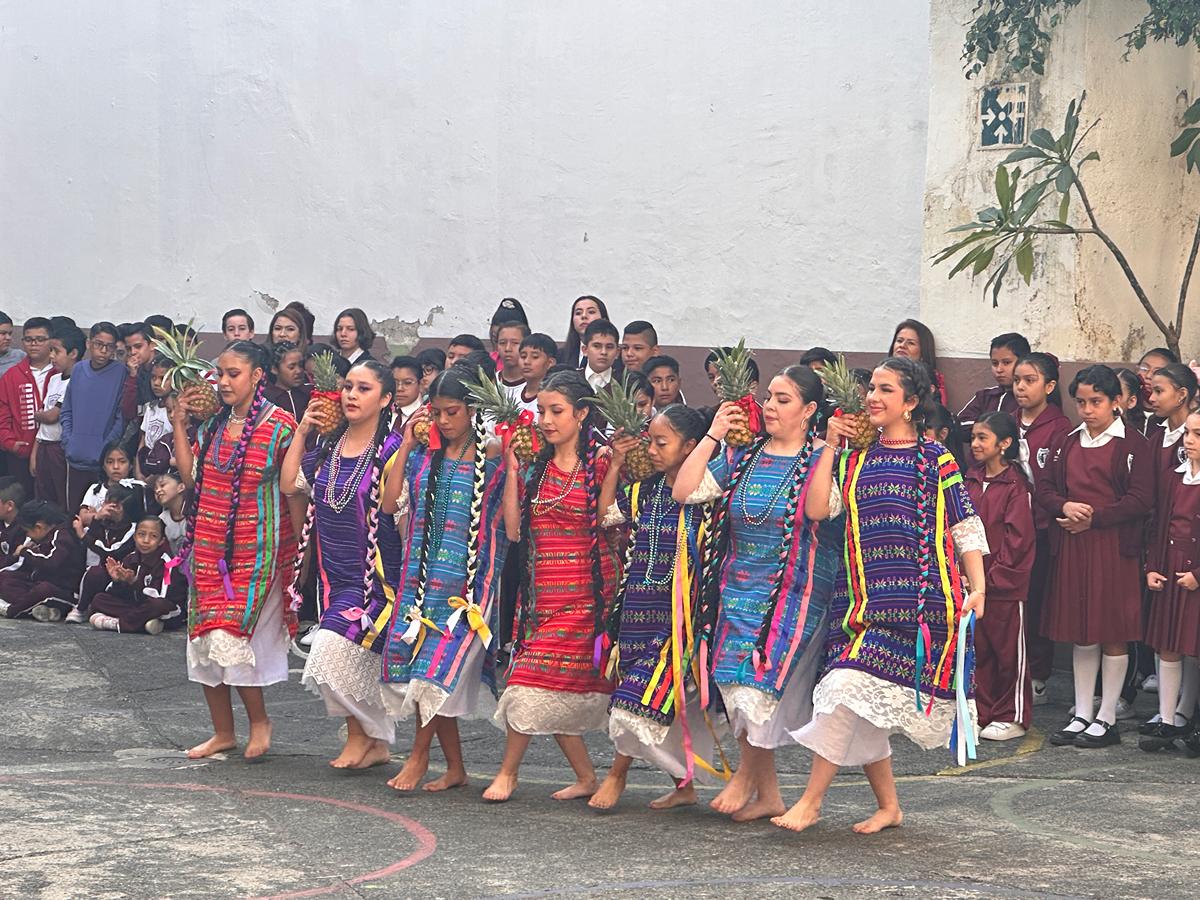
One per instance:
(733, 382)
(513, 424)
(189, 374)
(618, 405)
(327, 393)
(421, 431)
(846, 396)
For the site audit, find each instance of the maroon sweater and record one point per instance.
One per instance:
(1007, 514)
(56, 558)
(1132, 481)
(1038, 437)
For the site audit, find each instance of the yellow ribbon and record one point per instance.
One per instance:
(475, 619)
(414, 634)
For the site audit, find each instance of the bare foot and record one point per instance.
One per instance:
(684, 796)
(610, 792)
(411, 773)
(447, 781)
(759, 809)
(799, 817)
(734, 796)
(355, 748)
(378, 754)
(216, 744)
(260, 740)
(501, 788)
(883, 818)
(577, 790)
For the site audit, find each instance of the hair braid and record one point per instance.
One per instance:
(371, 510)
(238, 465)
(793, 518)
(717, 545)
(592, 502)
(431, 483)
(924, 552)
(324, 446)
(478, 483)
(526, 551)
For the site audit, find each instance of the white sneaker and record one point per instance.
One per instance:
(154, 626)
(4, 609)
(75, 617)
(1002, 731)
(1039, 693)
(44, 612)
(307, 638)
(1150, 685)
(1125, 710)
(101, 622)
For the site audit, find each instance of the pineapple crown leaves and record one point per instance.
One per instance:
(845, 393)
(618, 405)
(325, 374)
(183, 353)
(490, 400)
(733, 370)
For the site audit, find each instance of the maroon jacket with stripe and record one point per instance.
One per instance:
(1006, 510)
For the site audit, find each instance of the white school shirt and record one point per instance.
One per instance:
(598, 380)
(156, 424)
(512, 390)
(1171, 435)
(172, 530)
(1115, 430)
(56, 389)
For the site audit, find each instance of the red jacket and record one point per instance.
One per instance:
(21, 395)
(1051, 426)
(1006, 510)
(1132, 480)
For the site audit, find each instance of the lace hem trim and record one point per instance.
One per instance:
(707, 490)
(758, 707)
(886, 705)
(612, 517)
(220, 648)
(348, 668)
(969, 534)
(645, 732)
(532, 710)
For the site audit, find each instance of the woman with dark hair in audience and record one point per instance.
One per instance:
(584, 311)
(353, 335)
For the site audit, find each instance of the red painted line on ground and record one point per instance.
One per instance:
(426, 840)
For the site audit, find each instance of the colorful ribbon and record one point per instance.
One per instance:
(962, 732)
(418, 625)
(753, 412)
(506, 430)
(475, 620)
(362, 617)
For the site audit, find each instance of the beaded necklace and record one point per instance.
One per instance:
(441, 501)
(339, 501)
(541, 506)
(784, 483)
(215, 455)
(656, 523)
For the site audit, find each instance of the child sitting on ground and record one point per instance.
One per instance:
(12, 495)
(142, 594)
(49, 564)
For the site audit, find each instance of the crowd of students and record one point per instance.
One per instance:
(789, 590)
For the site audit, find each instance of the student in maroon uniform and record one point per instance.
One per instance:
(1006, 351)
(999, 492)
(1042, 423)
(12, 535)
(43, 579)
(142, 594)
(1099, 487)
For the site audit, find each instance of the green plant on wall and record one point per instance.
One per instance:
(1036, 185)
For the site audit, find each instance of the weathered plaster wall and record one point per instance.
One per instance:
(1079, 305)
(721, 168)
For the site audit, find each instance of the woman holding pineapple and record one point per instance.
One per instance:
(768, 579)
(356, 554)
(439, 650)
(556, 684)
(895, 616)
(240, 543)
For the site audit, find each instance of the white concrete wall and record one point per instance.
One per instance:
(721, 168)
(1079, 305)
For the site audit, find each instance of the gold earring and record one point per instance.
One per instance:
(907, 416)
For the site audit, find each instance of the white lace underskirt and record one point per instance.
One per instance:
(347, 668)
(531, 710)
(646, 732)
(470, 699)
(887, 705)
(220, 648)
(757, 706)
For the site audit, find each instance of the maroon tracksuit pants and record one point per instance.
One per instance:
(1003, 686)
(22, 595)
(132, 615)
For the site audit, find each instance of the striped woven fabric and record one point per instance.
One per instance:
(341, 550)
(873, 625)
(263, 542)
(556, 652)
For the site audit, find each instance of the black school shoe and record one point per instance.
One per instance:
(1108, 738)
(1161, 737)
(1064, 738)
(1191, 738)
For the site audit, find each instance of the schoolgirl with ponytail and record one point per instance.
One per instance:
(767, 581)
(556, 683)
(354, 549)
(439, 658)
(654, 714)
(894, 621)
(238, 547)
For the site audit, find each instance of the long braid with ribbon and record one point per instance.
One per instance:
(793, 517)
(324, 446)
(431, 486)
(370, 576)
(925, 563)
(589, 448)
(613, 627)
(235, 488)
(478, 483)
(526, 551)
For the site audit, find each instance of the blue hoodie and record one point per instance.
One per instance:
(91, 413)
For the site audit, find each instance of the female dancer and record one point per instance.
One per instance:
(768, 580)
(556, 685)
(894, 620)
(652, 620)
(439, 649)
(353, 553)
(240, 540)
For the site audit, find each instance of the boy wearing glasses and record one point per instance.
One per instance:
(91, 412)
(22, 392)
